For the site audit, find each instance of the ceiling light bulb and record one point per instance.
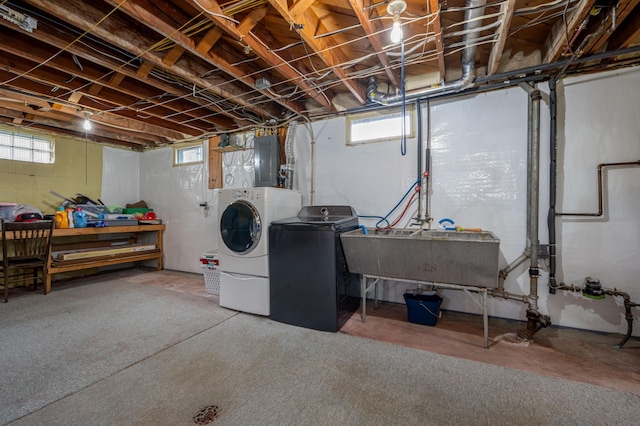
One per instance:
(86, 124)
(396, 30)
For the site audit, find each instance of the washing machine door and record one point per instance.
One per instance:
(240, 227)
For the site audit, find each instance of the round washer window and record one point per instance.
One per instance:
(240, 227)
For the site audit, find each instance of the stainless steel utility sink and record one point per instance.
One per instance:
(464, 258)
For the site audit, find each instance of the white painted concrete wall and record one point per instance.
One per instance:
(120, 176)
(478, 148)
(174, 193)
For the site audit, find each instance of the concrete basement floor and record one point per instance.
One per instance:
(573, 354)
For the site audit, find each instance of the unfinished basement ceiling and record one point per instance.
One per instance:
(154, 72)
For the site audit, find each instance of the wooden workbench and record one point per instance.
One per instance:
(79, 238)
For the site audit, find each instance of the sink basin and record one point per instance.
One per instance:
(463, 258)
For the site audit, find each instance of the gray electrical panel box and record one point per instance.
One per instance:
(267, 160)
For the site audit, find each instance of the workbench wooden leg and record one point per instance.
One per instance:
(159, 245)
(47, 283)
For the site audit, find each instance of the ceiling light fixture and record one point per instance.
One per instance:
(262, 84)
(86, 123)
(395, 8)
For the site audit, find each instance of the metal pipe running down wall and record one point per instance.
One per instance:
(553, 174)
(535, 320)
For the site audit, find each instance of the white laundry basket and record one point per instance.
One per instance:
(209, 262)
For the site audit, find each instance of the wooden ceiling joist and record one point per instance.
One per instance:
(156, 72)
(251, 20)
(34, 50)
(149, 88)
(506, 9)
(561, 35)
(144, 70)
(84, 16)
(96, 135)
(47, 76)
(36, 104)
(209, 39)
(279, 66)
(299, 7)
(173, 55)
(330, 56)
(138, 10)
(434, 8)
(55, 119)
(627, 15)
(371, 31)
(628, 28)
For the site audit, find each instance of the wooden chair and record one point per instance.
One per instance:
(26, 247)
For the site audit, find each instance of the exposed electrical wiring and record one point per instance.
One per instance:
(464, 9)
(321, 79)
(542, 7)
(540, 19)
(566, 27)
(492, 25)
(219, 15)
(84, 34)
(55, 55)
(77, 62)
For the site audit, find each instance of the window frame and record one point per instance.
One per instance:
(410, 112)
(32, 138)
(182, 148)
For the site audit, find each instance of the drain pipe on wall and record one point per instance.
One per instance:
(553, 155)
(551, 219)
(535, 320)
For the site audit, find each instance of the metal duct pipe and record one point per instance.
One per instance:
(289, 154)
(535, 321)
(474, 11)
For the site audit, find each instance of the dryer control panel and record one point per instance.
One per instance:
(250, 194)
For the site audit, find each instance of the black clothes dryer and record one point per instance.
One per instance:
(310, 284)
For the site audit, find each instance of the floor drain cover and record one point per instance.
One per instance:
(207, 415)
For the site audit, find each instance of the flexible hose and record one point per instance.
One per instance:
(381, 219)
(397, 205)
(403, 211)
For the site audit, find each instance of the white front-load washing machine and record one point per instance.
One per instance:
(244, 216)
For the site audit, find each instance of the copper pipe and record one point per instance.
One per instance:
(600, 203)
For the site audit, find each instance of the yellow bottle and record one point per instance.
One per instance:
(62, 220)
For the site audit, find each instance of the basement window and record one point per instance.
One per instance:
(380, 126)
(188, 155)
(23, 147)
